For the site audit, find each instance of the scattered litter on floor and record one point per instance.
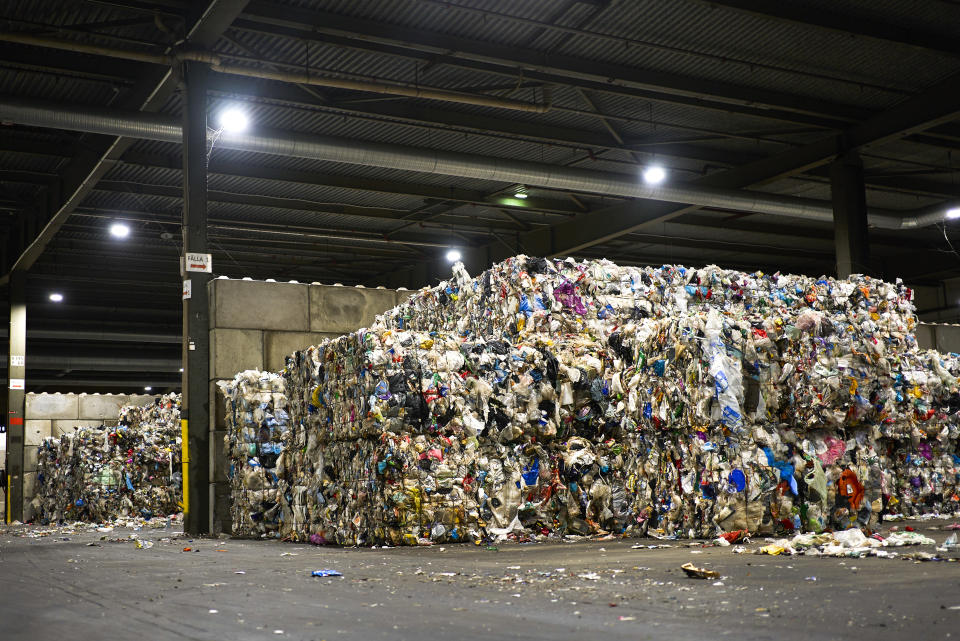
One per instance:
(694, 572)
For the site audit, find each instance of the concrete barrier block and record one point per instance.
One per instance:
(101, 406)
(61, 427)
(140, 399)
(235, 350)
(246, 304)
(341, 310)
(278, 345)
(222, 520)
(926, 337)
(30, 454)
(219, 461)
(35, 430)
(402, 295)
(218, 408)
(52, 406)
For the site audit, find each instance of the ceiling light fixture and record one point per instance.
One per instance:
(454, 255)
(521, 192)
(654, 175)
(233, 120)
(953, 213)
(119, 230)
(56, 298)
(147, 388)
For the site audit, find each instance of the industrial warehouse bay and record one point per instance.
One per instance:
(479, 319)
(99, 584)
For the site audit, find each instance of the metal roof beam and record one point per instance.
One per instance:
(593, 228)
(860, 25)
(707, 93)
(148, 94)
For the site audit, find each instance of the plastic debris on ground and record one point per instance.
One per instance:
(852, 542)
(694, 572)
(557, 398)
(103, 474)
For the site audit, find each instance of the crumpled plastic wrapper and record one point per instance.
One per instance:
(102, 474)
(548, 398)
(258, 435)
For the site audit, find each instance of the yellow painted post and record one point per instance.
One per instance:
(184, 436)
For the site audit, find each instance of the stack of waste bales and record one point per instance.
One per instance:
(104, 473)
(549, 398)
(258, 434)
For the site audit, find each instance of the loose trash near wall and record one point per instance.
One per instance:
(549, 398)
(106, 473)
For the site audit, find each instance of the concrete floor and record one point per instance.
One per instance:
(100, 586)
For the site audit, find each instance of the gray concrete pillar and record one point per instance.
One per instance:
(849, 215)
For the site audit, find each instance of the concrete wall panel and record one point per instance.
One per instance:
(101, 406)
(35, 431)
(235, 350)
(245, 304)
(278, 345)
(69, 426)
(52, 406)
(341, 310)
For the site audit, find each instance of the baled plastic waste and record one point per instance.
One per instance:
(550, 398)
(105, 473)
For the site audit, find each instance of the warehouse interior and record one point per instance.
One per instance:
(375, 143)
(732, 95)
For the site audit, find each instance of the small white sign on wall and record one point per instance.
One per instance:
(17, 383)
(187, 289)
(194, 262)
(17, 360)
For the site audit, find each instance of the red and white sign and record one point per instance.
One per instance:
(187, 289)
(198, 263)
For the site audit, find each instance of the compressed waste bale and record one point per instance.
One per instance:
(550, 398)
(105, 473)
(257, 443)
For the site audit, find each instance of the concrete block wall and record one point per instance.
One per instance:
(943, 338)
(59, 414)
(257, 324)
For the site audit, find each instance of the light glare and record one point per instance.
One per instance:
(233, 120)
(147, 388)
(453, 255)
(56, 298)
(119, 230)
(953, 213)
(654, 175)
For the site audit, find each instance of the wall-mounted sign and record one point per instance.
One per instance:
(194, 262)
(187, 289)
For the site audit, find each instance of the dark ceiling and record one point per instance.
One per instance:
(739, 94)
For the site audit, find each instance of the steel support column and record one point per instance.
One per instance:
(16, 373)
(849, 215)
(195, 409)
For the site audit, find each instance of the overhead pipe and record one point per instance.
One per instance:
(431, 161)
(299, 77)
